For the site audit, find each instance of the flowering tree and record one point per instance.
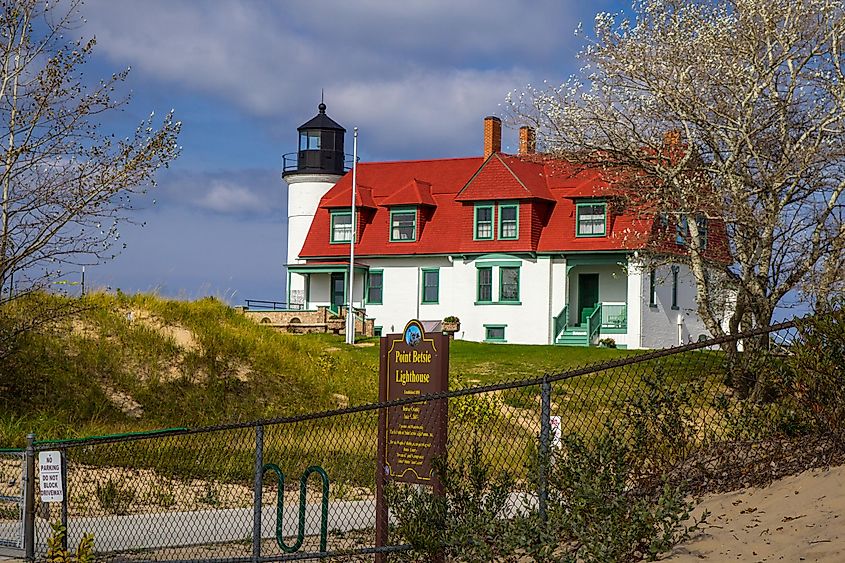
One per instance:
(731, 111)
(66, 183)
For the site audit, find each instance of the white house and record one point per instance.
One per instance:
(520, 248)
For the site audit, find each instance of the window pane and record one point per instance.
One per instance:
(341, 227)
(484, 222)
(485, 284)
(313, 140)
(507, 215)
(431, 283)
(495, 333)
(510, 284)
(374, 293)
(652, 283)
(404, 226)
(591, 219)
(681, 231)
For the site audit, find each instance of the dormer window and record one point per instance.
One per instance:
(483, 221)
(341, 226)
(403, 224)
(508, 221)
(591, 219)
(682, 230)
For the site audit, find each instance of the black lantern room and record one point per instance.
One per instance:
(320, 147)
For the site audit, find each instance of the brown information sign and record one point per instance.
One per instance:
(413, 364)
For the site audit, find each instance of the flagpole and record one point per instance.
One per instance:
(350, 311)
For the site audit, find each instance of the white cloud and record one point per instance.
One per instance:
(414, 69)
(227, 198)
(247, 194)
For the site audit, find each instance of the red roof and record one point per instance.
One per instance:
(415, 192)
(343, 197)
(445, 192)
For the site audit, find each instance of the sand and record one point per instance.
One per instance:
(798, 518)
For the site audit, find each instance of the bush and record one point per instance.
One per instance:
(465, 523)
(817, 359)
(595, 514)
(601, 516)
(57, 554)
(658, 422)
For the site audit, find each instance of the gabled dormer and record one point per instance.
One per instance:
(411, 207)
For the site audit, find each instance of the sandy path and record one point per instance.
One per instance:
(799, 518)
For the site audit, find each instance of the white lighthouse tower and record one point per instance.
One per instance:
(309, 174)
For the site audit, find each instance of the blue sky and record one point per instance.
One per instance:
(416, 77)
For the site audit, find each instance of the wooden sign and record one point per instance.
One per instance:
(413, 364)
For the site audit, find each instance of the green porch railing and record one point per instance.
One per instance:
(594, 324)
(561, 321)
(614, 315)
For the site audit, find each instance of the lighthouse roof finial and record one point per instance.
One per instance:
(322, 106)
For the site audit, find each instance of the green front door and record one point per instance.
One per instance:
(338, 290)
(588, 293)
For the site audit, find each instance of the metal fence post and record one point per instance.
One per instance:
(545, 431)
(65, 496)
(29, 500)
(258, 485)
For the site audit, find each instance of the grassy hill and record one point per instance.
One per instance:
(133, 362)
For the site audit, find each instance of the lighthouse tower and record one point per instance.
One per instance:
(309, 174)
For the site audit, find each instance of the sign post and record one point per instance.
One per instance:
(412, 364)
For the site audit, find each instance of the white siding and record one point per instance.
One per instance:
(526, 323)
(304, 194)
(662, 325)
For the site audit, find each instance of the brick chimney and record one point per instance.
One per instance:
(527, 140)
(492, 135)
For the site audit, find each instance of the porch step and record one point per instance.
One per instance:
(573, 339)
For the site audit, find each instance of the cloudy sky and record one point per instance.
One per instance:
(415, 76)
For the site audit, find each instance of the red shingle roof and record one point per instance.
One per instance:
(445, 192)
(343, 197)
(415, 192)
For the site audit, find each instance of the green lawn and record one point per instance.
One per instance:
(177, 363)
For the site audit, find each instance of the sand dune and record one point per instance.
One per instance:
(798, 518)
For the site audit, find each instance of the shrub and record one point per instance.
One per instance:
(599, 515)
(658, 423)
(595, 513)
(115, 496)
(817, 359)
(57, 554)
(463, 524)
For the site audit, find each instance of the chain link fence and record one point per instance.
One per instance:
(11, 499)
(304, 487)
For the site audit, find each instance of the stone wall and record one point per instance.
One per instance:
(303, 322)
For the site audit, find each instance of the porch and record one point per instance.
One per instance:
(326, 285)
(596, 307)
